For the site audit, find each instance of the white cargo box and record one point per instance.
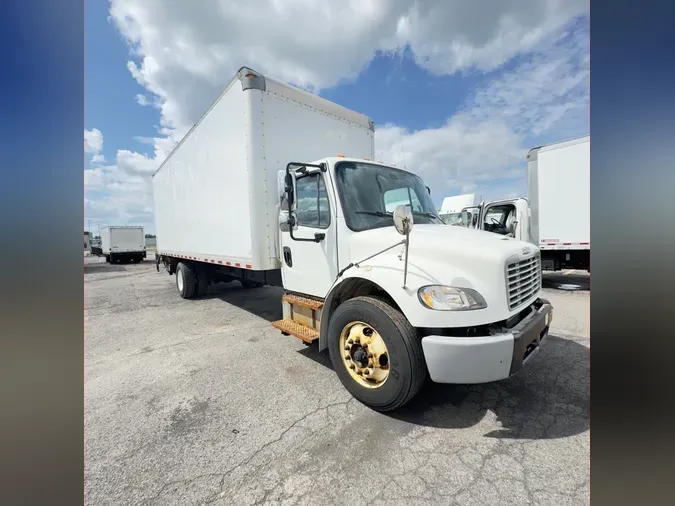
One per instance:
(216, 194)
(122, 240)
(559, 194)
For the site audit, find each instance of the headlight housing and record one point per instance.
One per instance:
(449, 298)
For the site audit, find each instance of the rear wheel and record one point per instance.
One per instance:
(186, 280)
(376, 353)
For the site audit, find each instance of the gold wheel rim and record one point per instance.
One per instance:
(364, 354)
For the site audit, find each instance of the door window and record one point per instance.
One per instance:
(313, 209)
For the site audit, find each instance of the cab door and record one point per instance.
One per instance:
(308, 248)
(517, 222)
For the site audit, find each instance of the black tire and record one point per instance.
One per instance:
(408, 368)
(187, 273)
(107, 259)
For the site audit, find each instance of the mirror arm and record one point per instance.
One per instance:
(357, 264)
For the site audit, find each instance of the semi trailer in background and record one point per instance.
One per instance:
(556, 215)
(122, 244)
(276, 186)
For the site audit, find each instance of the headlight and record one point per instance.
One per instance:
(448, 298)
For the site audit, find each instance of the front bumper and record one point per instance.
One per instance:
(484, 359)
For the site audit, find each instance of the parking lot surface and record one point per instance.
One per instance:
(204, 402)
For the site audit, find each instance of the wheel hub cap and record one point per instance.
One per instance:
(364, 354)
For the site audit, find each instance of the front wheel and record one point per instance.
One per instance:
(376, 353)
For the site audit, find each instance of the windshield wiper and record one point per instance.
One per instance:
(381, 214)
(428, 215)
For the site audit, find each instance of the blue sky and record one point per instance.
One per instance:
(456, 98)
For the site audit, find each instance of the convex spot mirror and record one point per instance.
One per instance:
(403, 219)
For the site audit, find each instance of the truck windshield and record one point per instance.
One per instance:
(370, 193)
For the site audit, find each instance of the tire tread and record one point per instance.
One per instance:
(410, 337)
(190, 279)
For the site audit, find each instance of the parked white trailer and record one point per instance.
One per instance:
(123, 244)
(276, 186)
(560, 203)
(557, 216)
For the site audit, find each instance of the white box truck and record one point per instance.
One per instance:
(123, 244)
(557, 216)
(277, 186)
(452, 207)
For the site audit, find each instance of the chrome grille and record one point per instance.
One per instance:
(523, 280)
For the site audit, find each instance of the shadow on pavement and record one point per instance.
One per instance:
(574, 282)
(548, 399)
(264, 302)
(103, 267)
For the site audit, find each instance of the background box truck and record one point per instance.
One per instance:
(557, 216)
(123, 244)
(277, 186)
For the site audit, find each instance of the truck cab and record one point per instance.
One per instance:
(510, 218)
(460, 303)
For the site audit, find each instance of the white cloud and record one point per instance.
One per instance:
(145, 140)
(93, 145)
(142, 99)
(93, 141)
(546, 95)
(187, 51)
(184, 53)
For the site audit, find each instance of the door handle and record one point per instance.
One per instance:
(288, 258)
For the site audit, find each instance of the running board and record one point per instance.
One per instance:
(297, 300)
(293, 328)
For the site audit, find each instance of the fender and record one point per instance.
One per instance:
(345, 288)
(386, 280)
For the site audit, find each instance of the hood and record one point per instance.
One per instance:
(443, 253)
(440, 241)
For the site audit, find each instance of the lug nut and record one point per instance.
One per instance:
(348, 356)
(350, 341)
(364, 346)
(357, 340)
(359, 373)
(352, 366)
(370, 355)
(366, 372)
(370, 364)
(346, 348)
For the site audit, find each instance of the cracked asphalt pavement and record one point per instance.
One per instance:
(204, 402)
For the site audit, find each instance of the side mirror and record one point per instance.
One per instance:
(281, 184)
(290, 189)
(403, 219)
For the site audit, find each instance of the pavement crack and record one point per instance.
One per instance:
(269, 443)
